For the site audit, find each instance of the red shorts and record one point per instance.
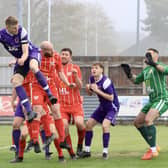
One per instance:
(39, 96)
(72, 110)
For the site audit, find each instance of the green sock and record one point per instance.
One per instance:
(151, 134)
(143, 131)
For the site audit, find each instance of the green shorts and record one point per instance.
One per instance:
(160, 105)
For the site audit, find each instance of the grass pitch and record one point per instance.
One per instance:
(125, 151)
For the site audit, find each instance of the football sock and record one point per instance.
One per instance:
(35, 126)
(16, 137)
(143, 131)
(22, 144)
(60, 129)
(81, 136)
(69, 142)
(151, 132)
(106, 138)
(59, 150)
(46, 125)
(88, 138)
(21, 93)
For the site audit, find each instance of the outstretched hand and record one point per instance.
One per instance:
(127, 70)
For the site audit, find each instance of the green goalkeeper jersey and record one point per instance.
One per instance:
(155, 82)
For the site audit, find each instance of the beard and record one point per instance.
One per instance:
(47, 54)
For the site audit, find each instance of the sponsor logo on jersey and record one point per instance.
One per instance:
(36, 97)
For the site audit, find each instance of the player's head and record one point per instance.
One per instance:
(154, 53)
(66, 55)
(47, 48)
(97, 69)
(12, 25)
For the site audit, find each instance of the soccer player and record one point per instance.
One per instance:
(154, 76)
(50, 65)
(19, 117)
(70, 99)
(14, 38)
(105, 113)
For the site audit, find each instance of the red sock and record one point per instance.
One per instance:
(22, 144)
(59, 150)
(29, 129)
(60, 129)
(46, 125)
(35, 126)
(81, 136)
(69, 142)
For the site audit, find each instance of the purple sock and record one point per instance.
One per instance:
(43, 137)
(106, 138)
(88, 138)
(16, 136)
(23, 98)
(42, 81)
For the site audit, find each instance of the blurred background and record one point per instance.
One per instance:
(93, 27)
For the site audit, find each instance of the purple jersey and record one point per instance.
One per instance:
(106, 86)
(13, 43)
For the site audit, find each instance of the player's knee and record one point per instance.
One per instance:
(80, 125)
(34, 66)
(88, 126)
(148, 121)
(17, 81)
(23, 136)
(16, 126)
(106, 128)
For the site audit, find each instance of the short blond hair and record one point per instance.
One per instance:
(11, 20)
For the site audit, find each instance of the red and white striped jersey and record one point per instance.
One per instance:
(50, 65)
(69, 96)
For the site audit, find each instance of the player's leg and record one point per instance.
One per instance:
(88, 138)
(59, 125)
(17, 81)
(35, 128)
(16, 132)
(46, 121)
(56, 141)
(106, 137)
(22, 142)
(30, 142)
(66, 119)
(139, 123)
(79, 122)
(18, 119)
(78, 116)
(157, 109)
(34, 66)
(151, 134)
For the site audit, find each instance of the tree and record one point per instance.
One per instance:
(71, 23)
(156, 22)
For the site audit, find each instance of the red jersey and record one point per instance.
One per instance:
(69, 96)
(49, 66)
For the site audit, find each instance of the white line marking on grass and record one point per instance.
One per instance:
(4, 147)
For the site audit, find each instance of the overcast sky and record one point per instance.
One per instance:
(123, 13)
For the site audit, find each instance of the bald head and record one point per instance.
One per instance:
(47, 48)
